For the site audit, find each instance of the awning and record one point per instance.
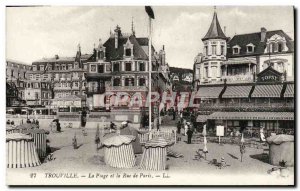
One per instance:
(202, 118)
(252, 116)
(289, 92)
(233, 61)
(267, 91)
(237, 92)
(209, 92)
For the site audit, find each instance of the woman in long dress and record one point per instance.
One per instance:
(262, 135)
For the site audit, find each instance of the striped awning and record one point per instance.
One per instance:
(237, 92)
(289, 92)
(252, 116)
(232, 61)
(209, 92)
(202, 118)
(267, 90)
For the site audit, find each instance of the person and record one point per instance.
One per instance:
(8, 122)
(28, 121)
(189, 134)
(37, 123)
(83, 118)
(174, 114)
(33, 121)
(58, 128)
(178, 127)
(112, 126)
(262, 135)
(128, 130)
(186, 126)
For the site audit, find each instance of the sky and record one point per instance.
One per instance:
(33, 33)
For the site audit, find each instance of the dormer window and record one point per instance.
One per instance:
(250, 48)
(128, 52)
(236, 49)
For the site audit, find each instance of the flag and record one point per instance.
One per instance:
(149, 11)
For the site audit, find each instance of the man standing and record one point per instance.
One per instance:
(189, 134)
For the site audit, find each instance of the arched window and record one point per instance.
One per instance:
(116, 82)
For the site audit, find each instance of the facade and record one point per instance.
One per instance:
(245, 82)
(16, 78)
(121, 65)
(58, 77)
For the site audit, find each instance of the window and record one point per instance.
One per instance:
(214, 71)
(142, 66)
(280, 47)
(250, 49)
(128, 52)
(93, 68)
(129, 81)
(116, 82)
(12, 73)
(100, 68)
(222, 50)
(76, 84)
(214, 49)
(36, 95)
(116, 67)
(128, 66)
(206, 72)
(236, 51)
(206, 50)
(142, 82)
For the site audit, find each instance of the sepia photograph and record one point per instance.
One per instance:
(150, 95)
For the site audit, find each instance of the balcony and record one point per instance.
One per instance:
(62, 88)
(238, 78)
(95, 90)
(126, 88)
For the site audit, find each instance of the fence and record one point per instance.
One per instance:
(165, 133)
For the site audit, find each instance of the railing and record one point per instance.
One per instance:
(247, 105)
(239, 78)
(62, 88)
(166, 134)
(126, 88)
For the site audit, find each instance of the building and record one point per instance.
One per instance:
(58, 77)
(121, 65)
(245, 81)
(16, 78)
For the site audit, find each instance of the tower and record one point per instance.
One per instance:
(214, 53)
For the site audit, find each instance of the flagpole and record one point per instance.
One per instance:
(149, 80)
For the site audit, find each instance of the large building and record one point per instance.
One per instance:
(16, 81)
(247, 80)
(121, 64)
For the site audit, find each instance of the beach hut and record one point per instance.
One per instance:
(39, 138)
(21, 128)
(118, 151)
(155, 154)
(281, 149)
(20, 151)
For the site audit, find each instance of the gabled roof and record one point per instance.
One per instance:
(115, 54)
(243, 40)
(215, 30)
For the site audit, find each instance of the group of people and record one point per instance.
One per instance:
(188, 129)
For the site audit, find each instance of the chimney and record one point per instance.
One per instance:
(117, 35)
(56, 57)
(263, 32)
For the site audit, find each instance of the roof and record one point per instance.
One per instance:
(159, 142)
(18, 137)
(59, 59)
(237, 92)
(278, 139)
(69, 98)
(289, 91)
(215, 30)
(209, 92)
(243, 40)
(202, 118)
(267, 90)
(252, 116)
(118, 140)
(115, 54)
